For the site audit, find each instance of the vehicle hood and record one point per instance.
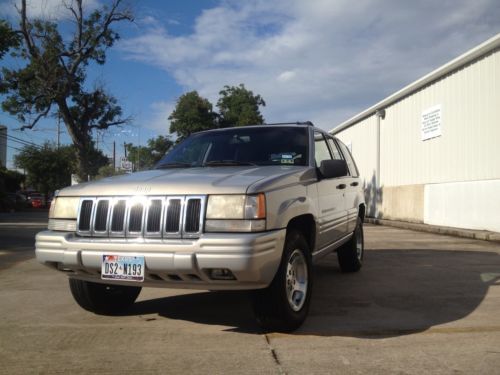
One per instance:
(194, 181)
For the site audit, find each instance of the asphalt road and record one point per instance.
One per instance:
(422, 303)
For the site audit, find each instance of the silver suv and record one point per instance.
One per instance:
(247, 208)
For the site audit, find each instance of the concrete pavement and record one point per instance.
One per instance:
(421, 303)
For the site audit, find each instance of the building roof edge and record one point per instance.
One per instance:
(473, 54)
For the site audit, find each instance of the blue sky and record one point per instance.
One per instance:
(319, 60)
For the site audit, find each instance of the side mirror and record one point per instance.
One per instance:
(333, 168)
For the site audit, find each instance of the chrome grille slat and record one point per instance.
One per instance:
(101, 216)
(118, 217)
(85, 215)
(148, 217)
(154, 217)
(192, 216)
(174, 214)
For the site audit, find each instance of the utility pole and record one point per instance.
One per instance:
(114, 156)
(125, 148)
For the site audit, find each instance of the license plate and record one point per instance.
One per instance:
(121, 267)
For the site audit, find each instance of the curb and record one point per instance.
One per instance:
(456, 232)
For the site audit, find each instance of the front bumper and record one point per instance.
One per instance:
(253, 258)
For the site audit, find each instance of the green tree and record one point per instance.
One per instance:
(192, 114)
(52, 81)
(10, 181)
(239, 106)
(8, 38)
(145, 157)
(108, 171)
(49, 168)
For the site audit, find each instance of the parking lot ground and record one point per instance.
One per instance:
(422, 303)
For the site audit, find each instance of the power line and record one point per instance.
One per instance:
(18, 140)
(15, 148)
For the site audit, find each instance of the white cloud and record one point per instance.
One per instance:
(286, 76)
(316, 60)
(45, 9)
(158, 118)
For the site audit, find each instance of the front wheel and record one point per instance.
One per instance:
(350, 255)
(283, 306)
(103, 298)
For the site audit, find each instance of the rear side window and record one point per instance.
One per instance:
(349, 159)
(335, 150)
(321, 151)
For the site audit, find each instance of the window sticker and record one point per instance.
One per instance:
(285, 157)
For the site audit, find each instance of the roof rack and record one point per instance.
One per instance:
(309, 123)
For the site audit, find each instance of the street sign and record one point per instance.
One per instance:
(125, 164)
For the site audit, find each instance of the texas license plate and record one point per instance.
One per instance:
(121, 267)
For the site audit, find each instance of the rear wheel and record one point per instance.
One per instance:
(350, 255)
(283, 306)
(103, 298)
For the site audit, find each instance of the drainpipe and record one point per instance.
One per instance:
(380, 114)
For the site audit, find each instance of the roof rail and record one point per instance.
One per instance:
(309, 123)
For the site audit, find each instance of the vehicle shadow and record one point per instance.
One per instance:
(398, 292)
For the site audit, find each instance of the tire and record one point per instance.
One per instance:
(103, 298)
(350, 255)
(284, 304)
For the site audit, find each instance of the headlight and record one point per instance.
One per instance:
(62, 213)
(236, 213)
(64, 208)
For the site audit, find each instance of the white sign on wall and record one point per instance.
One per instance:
(431, 122)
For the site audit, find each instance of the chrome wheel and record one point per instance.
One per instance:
(296, 280)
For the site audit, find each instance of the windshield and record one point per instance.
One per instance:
(240, 146)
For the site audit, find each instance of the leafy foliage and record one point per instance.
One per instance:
(49, 168)
(192, 114)
(108, 171)
(239, 106)
(52, 82)
(8, 38)
(10, 181)
(145, 157)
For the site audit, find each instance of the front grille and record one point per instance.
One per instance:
(118, 216)
(131, 217)
(193, 216)
(135, 218)
(101, 216)
(85, 215)
(172, 223)
(154, 216)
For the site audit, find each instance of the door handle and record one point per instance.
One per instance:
(341, 186)
(355, 183)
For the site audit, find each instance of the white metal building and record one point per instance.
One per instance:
(3, 146)
(430, 153)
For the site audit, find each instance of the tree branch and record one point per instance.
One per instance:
(84, 52)
(112, 123)
(24, 30)
(33, 123)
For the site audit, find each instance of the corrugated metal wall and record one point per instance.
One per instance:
(469, 148)
(426, 181)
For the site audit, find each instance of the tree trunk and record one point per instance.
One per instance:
(82, 163)
(80, 140)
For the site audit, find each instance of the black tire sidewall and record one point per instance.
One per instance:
(103, 298)
(347, 254)
(271, 305)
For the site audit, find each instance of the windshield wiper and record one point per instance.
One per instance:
(174, 165)
(222, 163)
